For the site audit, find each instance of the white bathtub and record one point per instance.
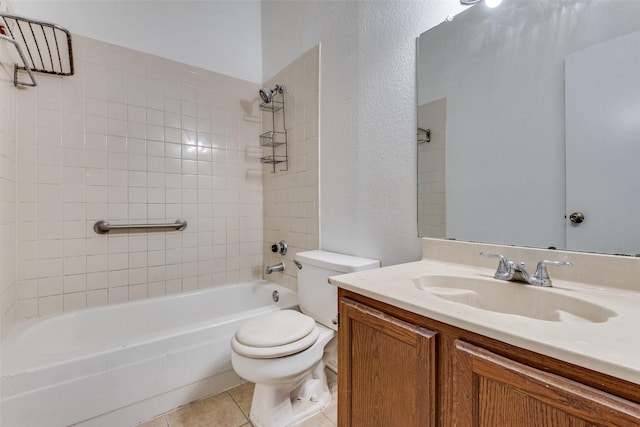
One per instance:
(122, 364)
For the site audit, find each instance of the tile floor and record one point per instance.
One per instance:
(231, 409)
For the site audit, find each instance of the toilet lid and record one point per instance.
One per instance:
(276, 334)
(276, 351)
(275, 329)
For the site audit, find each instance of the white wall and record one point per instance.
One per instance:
(290, 197)
(131, 138)
(368, 103)
(367, 114)
(7, 189)
(221, 36)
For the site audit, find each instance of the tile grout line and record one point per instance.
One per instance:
(239, 406)
(247, 420)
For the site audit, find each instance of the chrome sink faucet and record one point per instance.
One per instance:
(515, 272)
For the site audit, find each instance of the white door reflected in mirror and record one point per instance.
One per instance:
(602, 99)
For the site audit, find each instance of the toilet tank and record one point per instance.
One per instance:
(316, 297)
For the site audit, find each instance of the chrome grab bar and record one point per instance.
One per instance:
(102, 227)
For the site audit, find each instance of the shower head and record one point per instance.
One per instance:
(267, 94)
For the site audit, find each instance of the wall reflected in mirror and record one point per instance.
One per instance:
(431, 168)
(491, 88)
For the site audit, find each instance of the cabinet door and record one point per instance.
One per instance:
(493, 391)
(387, 370)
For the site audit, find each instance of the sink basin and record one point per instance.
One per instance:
(513, 298)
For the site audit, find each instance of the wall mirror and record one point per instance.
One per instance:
(529, 125)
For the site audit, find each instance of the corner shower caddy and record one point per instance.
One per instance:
(48, 47)
(277, 136)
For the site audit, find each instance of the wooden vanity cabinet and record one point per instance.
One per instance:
(491, 390)
(401, 369)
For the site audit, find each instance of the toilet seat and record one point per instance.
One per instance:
(276, 334)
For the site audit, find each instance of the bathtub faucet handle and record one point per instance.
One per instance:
(281, 247)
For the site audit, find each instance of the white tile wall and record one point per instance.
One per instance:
(291, 198)
(130, 138)
(8, 175)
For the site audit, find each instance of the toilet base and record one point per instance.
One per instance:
(277, 406)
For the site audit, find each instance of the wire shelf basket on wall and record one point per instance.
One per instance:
(42, 47)
(277, 136)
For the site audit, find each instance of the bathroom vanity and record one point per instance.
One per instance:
(418, 350)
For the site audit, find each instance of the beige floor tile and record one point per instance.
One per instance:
(331, 411)
(243, 394)
(231, 409)
(332, 379)
(219, 411)
(318, 420)
(155, 422)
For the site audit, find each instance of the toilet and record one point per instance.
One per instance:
(285, 352)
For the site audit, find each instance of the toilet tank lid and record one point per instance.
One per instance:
(336, 262)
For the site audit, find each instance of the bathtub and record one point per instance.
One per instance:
(122, 364)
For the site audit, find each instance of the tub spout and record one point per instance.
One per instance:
(273, 268)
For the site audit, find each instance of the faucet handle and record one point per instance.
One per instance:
(541, 276)
(504, 266)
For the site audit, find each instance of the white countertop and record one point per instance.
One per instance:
(611, 347)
